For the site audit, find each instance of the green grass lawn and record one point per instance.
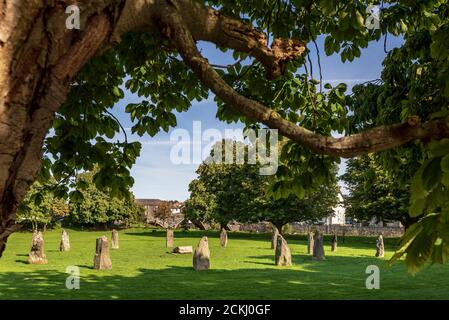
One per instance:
(142, 269)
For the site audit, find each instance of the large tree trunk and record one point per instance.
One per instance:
(38, 59)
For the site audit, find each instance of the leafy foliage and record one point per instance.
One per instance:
(225, 192)
(40, 208)
(96, 207)
(374, 193)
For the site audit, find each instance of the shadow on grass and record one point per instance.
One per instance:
(171, 283)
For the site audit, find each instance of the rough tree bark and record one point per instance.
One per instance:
(39, 58)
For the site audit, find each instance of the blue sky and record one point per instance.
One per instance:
(156, 177)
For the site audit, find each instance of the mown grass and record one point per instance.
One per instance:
(143, 269)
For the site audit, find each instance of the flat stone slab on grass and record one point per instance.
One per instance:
(183, 250)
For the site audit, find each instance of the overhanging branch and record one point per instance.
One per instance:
(374, 140)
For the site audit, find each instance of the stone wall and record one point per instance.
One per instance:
(296, 228)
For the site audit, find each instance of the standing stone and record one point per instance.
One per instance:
(380, 252)
(283, 256)
(274, 237)
(102, 260)
(334, 243)
(37, 253)
(310, 243)
(114, 239)
(65, 242)
(223, 238)
(201, 257)
(318, 247)
(170, 238)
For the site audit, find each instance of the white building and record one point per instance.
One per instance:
(339, 215)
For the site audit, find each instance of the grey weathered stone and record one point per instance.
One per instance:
(183, 250)
(334, 243)
(380, 248)
(102, 260)
(65, 241)
(37, 253)
(318, 247)
(283, 256)
(114, 239)
(274, 237)
(201, 257)
(223, 238)
(310, 243)
(170, 238)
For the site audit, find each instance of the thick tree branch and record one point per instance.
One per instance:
(207, 24)
(374, 140)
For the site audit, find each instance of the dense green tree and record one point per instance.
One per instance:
(222, 190)
(150, 48)
(315, 206)
(40, 208)
(95, 207)
(375, 193)
(225, 192)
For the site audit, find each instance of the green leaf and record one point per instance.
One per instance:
(417, 207)
(432, 174)
(417, 188)
(438, 148)
(445, 163)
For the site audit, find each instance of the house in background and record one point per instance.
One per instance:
(151, 205)
(339, 215)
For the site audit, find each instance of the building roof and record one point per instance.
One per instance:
(149, 202)
(157, 202)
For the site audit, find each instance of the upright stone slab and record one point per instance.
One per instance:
(102, 260)
(170, 238)
(334, 243)
(274, 237)
(201, 257)
(114, 239)
(223, 238)
(283, 256)
(318, 247)
(310, 243)
(65, 242)
(380, 248)
(37, 253)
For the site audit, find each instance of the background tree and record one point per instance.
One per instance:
(222, 190)
(94, 207)
(375, 193)
(200, 207)
(310, 209)
(240, 193)
(163, 211)
(41, 208)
